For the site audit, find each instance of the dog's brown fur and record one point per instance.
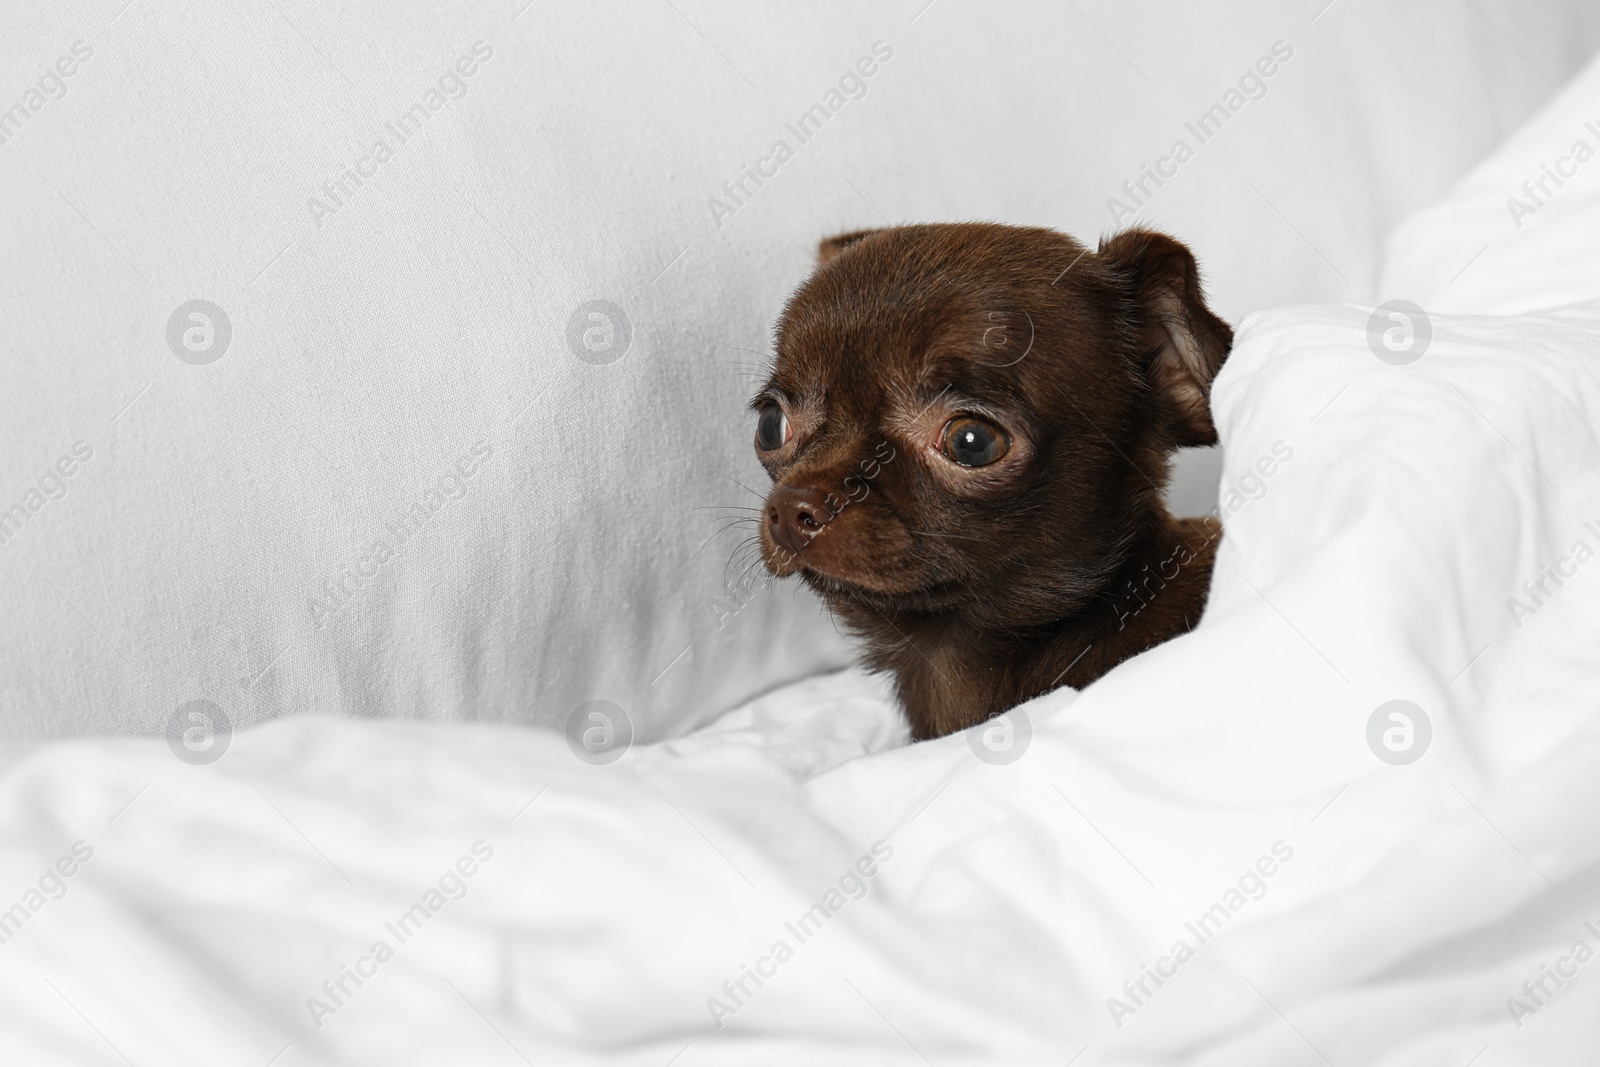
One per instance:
(980, 587)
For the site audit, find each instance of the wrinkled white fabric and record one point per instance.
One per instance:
(1395, 911)
(1518, 232)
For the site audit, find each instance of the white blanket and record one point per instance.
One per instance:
(1517, 233)
(1212, 812)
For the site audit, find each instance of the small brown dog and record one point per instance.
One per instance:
(968, 428)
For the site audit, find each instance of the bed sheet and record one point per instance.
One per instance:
(1235, 849)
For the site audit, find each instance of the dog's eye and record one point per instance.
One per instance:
(772, 428)
(973, 442)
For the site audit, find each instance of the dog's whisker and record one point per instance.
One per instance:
(759, 496)
(931, 533)
(754, 564)
(752, 541)
(768, 356)
(724, 528)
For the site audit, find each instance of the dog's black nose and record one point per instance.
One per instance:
(796, 516)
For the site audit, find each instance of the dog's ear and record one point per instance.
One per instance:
(832, 246)
(1186, 343)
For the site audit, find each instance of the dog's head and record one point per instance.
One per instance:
(978, 419)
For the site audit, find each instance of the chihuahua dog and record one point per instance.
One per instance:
(968, 428)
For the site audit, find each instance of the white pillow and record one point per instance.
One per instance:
(423, 227)
(1522, 231)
